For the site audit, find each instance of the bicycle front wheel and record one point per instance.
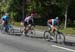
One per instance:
(31, 32)
(60, 38)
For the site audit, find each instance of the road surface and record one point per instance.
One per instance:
(10, 43)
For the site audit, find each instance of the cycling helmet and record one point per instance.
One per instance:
(56, 18)
(6, 14)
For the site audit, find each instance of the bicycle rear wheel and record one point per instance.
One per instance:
(3, 29)
(31, 33)
(47, 35)
(60, 38)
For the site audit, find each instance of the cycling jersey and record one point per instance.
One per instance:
(52, 24)
(52, 21)
(28, 20)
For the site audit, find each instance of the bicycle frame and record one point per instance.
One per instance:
(29, 27)
(7, 27)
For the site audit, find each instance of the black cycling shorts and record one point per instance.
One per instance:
(25, 24)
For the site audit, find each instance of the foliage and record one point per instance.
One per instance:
(44, 8)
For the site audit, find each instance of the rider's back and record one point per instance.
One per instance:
(5, 18)
(53, 21)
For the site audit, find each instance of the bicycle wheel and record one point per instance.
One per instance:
(3, 30)
(60, 38)
(10, 30)
(31, 32)
(22, 30)
(0, 26)
(47, 35)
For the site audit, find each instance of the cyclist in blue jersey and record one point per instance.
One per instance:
(5, 20)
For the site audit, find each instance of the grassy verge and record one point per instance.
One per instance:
(16, 24)
(66, 30)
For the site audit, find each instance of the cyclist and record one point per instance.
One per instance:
(28, 22)
(52, 23)
(5, 20)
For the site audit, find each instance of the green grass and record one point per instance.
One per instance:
(41, 27)
(64, 30)
(68, 30)
(16, 24)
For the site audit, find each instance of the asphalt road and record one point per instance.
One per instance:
(10, 43)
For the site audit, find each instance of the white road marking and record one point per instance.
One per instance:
(63, 48)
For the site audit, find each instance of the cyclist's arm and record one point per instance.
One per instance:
(2, 21)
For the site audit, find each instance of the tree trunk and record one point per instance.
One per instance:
(66, 12)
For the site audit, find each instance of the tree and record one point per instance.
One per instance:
(45, 8)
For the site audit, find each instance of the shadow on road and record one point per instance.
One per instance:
(69, 43)
(35, 37)
(15, 34)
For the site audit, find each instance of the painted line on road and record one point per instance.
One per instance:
(63, 48)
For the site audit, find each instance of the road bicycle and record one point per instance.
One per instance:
(7, 29)
(28, 31)
(56, 35)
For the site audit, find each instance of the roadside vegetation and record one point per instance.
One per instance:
(45, 10)
(68, 30)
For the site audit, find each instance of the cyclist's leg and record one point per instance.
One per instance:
(29, 26)
(49, 26)
(6, 26)
(56, 28)
(50, 29)
(3, 22)
(53, 28)
(25, 27)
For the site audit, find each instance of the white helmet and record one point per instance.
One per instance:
(57, 17)
(6, 14)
